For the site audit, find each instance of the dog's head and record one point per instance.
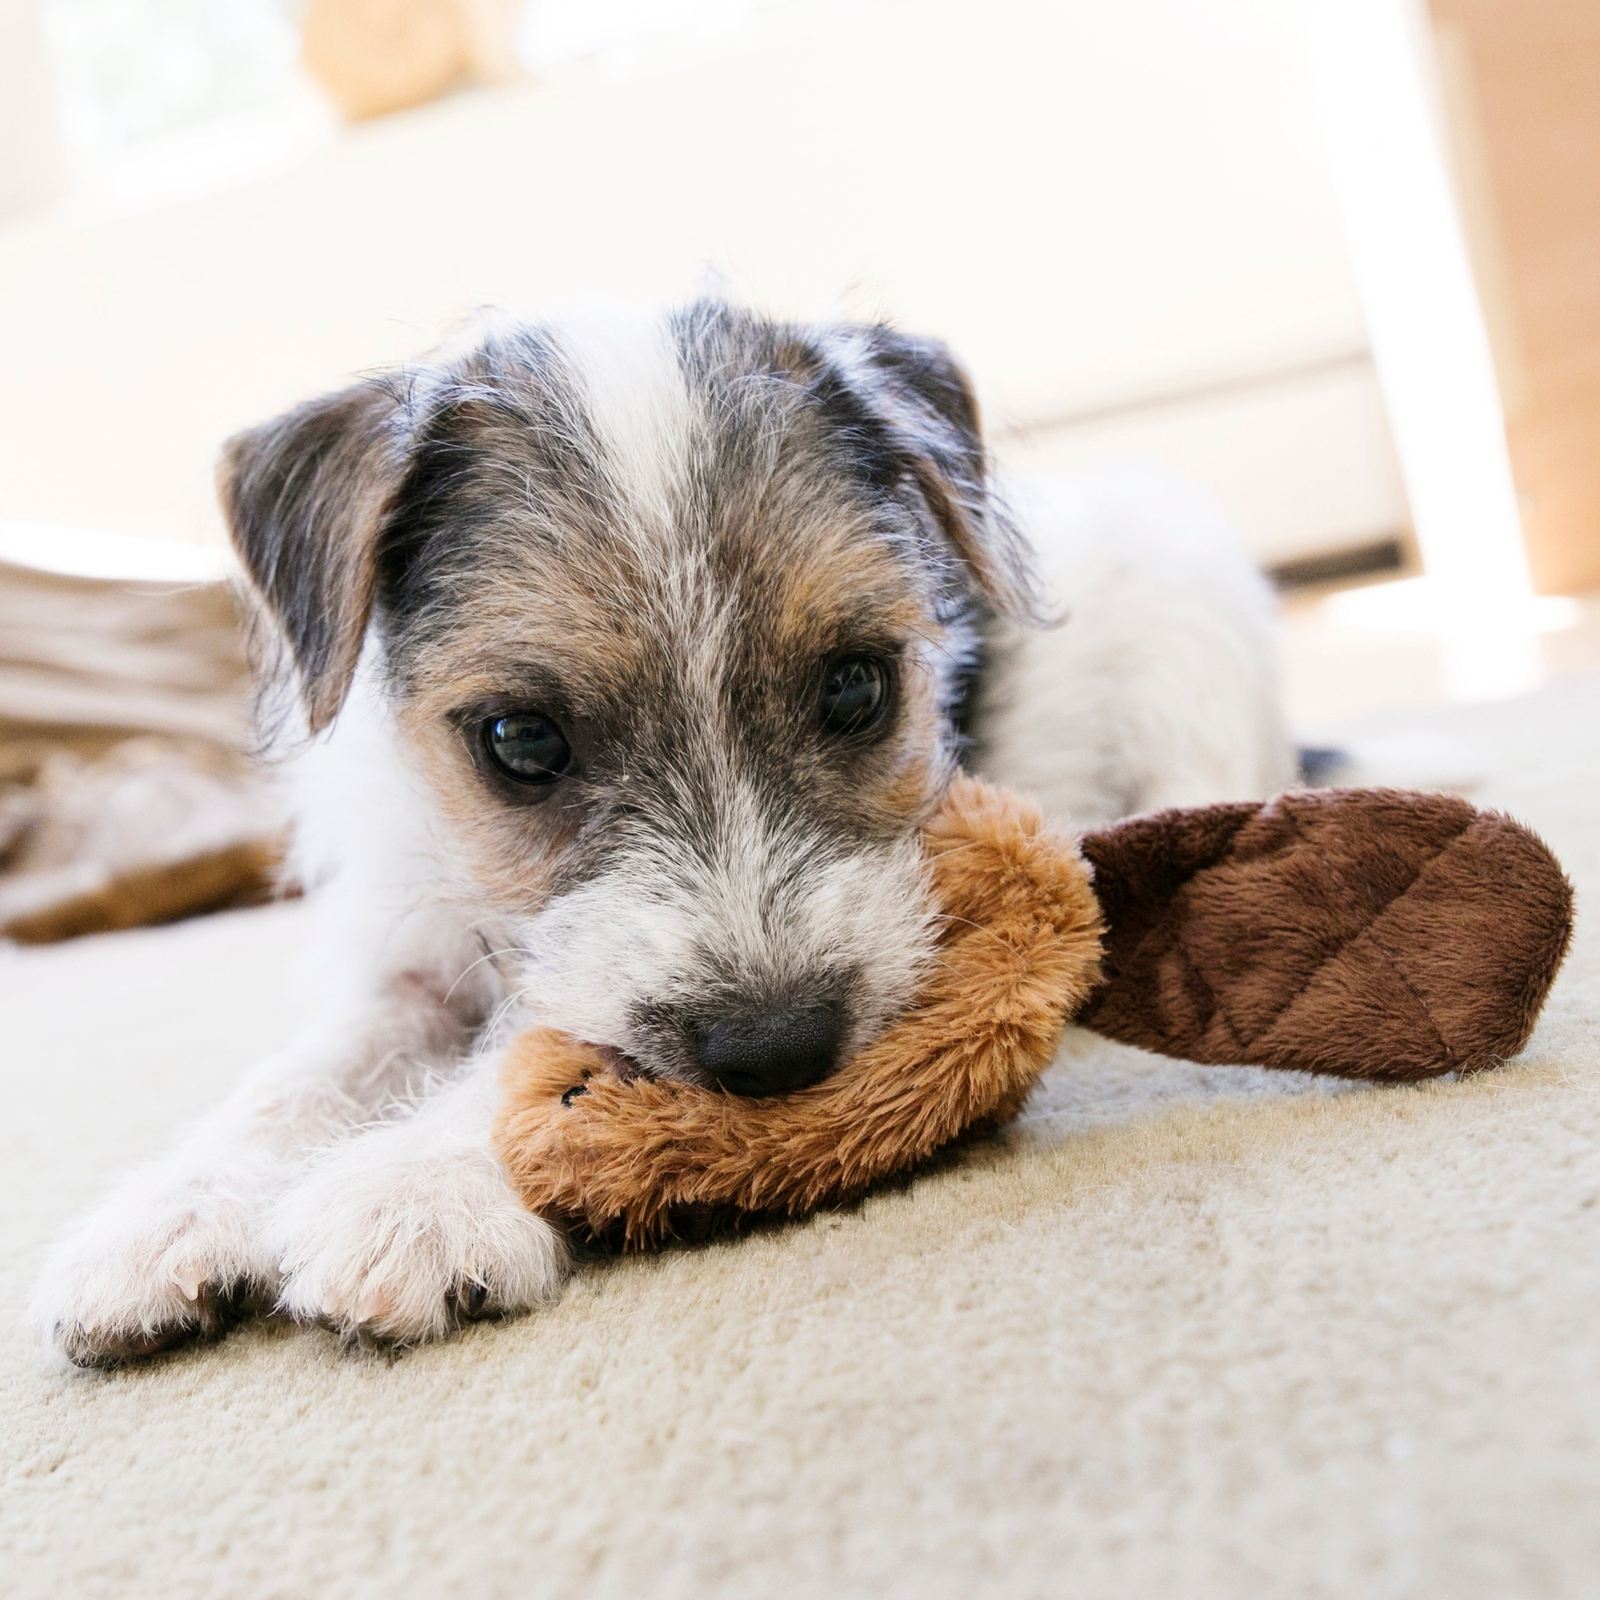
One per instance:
(674, 615)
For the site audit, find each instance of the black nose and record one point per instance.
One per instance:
(769, 1052)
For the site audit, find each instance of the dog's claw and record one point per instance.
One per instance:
(216, 1309)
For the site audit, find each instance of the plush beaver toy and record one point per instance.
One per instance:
(1367, 933)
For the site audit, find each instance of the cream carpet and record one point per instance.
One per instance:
(1181, 1333)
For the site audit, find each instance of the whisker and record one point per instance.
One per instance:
(503, 1010)
(471, 967)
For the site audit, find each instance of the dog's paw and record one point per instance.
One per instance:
(167, 1258)
(389, 1240)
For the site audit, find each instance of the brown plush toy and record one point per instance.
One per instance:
(1367, 933)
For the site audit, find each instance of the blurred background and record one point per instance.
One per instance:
(1330, 260)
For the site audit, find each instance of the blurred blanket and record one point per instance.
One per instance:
(127, 795)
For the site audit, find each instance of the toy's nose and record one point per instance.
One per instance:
(770, 1052)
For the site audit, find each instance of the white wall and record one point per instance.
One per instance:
(1101, 206)
(30, 141)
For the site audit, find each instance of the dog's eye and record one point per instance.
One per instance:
(855, 694)
(527, 746)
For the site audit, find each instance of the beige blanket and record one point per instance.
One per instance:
(126, 793)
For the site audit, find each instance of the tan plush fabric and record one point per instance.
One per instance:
(1181, 1332)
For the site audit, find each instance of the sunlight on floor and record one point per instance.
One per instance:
(1407, 645)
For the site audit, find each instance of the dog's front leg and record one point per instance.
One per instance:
(412, 1227)
(177, 1249)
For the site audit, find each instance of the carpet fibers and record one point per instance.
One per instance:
(1180, 1332)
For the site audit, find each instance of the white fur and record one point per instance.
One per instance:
(191, 1225)
(392, 981)
(386, 1230)
(636, 399)
(765, 902)
(141, 1260)
(353, 1176)
(1161, 689)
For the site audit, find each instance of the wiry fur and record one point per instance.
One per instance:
(658, 528)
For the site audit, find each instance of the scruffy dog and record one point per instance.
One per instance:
(621, 659)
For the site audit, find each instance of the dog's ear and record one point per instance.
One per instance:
(307, 498)
(925, 397)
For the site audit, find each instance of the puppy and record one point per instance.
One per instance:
(614, 666)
